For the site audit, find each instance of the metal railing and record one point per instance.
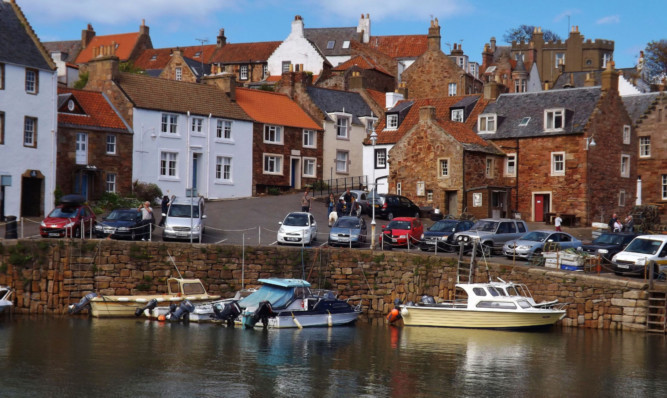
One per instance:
(338, 185)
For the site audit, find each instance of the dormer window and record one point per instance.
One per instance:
(486, 123)
(392, 122)
(554, 119)
(197, 54)
(154, 57)
(331, 44)
(457, 115)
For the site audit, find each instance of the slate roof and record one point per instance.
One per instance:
(125, 43)
(578, 78)
(152, 93)
(362, 62)
(578, 103)
(273, 108)
(322, 36)
(18, 43)
(400, 46)
(234, 53)
(97, 110)
(328, 101)
(637, 105)
(69, 47)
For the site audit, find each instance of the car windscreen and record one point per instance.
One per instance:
(296, 220)
(482, 225)
(444, 226)
(123, 215)
(535, 236)
(183, 211)
(608, 239)
(348, 223)
(399, 225)
(644, 246)
(63, 212)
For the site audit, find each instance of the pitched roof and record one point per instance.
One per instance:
(362, 62)
(379, 97)
(322, 36)
(18, 42)
(153, 58)
(273, 108)
(329, 100)
(124, 44)
(401, 46)
(177, 96)
(637, 105)
(69, 47)
(232, 53)
(97, 111)
(578, 103)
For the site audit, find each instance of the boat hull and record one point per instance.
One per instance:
(285, 320)
(478, 319)
(126, 306)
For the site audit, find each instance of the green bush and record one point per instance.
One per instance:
(274, 191)
(320, 185)
(110, 201)
(146, 191)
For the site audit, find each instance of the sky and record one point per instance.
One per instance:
(470, 23)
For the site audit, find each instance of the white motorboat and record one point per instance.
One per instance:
(201, 312)
(5, 298)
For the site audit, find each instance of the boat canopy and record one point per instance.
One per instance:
(285, 282)
(278, 296)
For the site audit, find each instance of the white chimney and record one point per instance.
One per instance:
(297, 27)
(391, 98)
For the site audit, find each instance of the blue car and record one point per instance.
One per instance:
(348, 230)
(124, 224)
(442, 234)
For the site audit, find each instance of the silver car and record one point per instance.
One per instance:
(491, 233)
(185, 219)
(532, 243)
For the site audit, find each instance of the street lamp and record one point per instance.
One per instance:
(374, 138)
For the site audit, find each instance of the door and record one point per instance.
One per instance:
(195, 173)
(539, 208)
(295, 173)
(31, 197)
(81, 184)
(81, 148)
(451, 203)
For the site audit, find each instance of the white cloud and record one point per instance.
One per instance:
(383, 10)
(566, 13)
(611, 19)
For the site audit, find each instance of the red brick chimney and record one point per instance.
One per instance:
(434, 36)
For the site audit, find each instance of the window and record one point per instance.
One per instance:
(198, 54)
(30, 132)
(111, 144)
(557, 163)
(273, 164)
(31, 81)
(2, 128)
(273, 134)
(346, 44)
(223, 129)
(399, 188)
(331, 44)
(197, 125)
(664, 187)
(286, 66)
(111, 183)
(625, 166)
(169, 123)
(342, 125)
(429, 195)
(341, 161)
(309, 139)
(168, 164)
(2, 76)
(451, 89)
(381, 158)
(605, 58)
(223, 168)
(309, 167)
(443, 168)
(626, 134)
(457, 115)
(243, 72)
(154, 57)
(510, 165)
(524, 122)
(560, 59)
(644, 147)
(621, 198)
(265, 71)
(421, 188)
(486, 123)
(178, 73)
(554, 119)
(489, 167)
(392, 122)
(520, 85)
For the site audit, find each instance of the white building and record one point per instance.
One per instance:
(296, 53)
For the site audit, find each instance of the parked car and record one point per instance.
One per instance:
(608, 244)
(400, 230)
(639, 253)
(297, 227)
(492, 233)
(71, 218)
(124, 224)
(442, 234)
(348, 230)
(532, 243)
(184, 219)
(361, 198)
(389, 206)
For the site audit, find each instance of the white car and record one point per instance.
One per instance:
(297, 227)
(639, 253)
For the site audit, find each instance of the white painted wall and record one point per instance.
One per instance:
(369, 164)
(353, 145)
(16, 159)
(298, 50)
(149, 142)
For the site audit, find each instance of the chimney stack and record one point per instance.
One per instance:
(86, 36)
(143, 29)
(609, 78)
(222, 40)
(434, 36)
(427, 113)
(102, 69)
(224, 81)
(491, 90)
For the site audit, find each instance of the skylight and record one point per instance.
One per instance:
(331, 44)
(524, 122)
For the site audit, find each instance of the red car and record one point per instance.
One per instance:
(400, 229)
(69, 219)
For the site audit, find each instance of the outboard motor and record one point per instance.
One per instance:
(182, 311)
(227, 313)
(83, 303)
(426, 299)
(150, 307)
(263, 312)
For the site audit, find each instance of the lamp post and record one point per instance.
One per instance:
(374, 138)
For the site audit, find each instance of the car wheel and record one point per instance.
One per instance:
(536, 258)
(133, 235)
(390, 216)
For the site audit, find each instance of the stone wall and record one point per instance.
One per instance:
(48, 275)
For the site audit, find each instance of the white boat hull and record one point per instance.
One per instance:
(125, 306)
(479, 319)
(286, 321)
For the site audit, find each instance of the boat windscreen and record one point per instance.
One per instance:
(276, 295)
(193, 288)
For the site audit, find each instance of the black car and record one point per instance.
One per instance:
(124, 223)
(609, 243)
(389, 206)
(442, 233)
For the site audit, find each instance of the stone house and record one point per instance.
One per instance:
(570, 151)
(188, 63)
(287, 143)
(649, 117)
(125, 46)
(247, 61)
(94, 146)
(28, 129)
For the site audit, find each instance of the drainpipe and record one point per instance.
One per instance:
(516, 178)
(187, 153)
(208, 156)
(464, 200)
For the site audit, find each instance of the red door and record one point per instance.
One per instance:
(539, 208)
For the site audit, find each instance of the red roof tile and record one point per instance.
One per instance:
(125, 43)
(379, 97)
(232, 53)
(157, 58)
(273, 108)
(363, 63)
(98, 111)
(403, 46)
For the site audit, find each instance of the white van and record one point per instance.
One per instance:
(642, 250)
(185, 219)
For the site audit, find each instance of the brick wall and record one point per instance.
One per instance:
(653, 168)
(429, 76)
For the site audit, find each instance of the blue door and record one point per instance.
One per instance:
(295, 165)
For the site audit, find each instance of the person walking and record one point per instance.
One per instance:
(629, 225)
(612, 222)
(331, 206)
(557, 222)
(305, 201)
(341, 208)
(165, 208)
(348, 198)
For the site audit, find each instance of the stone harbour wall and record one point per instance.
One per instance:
(48, 275)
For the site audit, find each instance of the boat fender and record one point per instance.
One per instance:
(150, 306)
(404, 313)
(393, 315)
(83, 303)
(296, 322)
(329, 319)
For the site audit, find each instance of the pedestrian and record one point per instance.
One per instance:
(612, 222)
(629, 224)
(558, 221)
(147, 217)
(618, 227)
(340, 208)
(165, 209)
(332, 216)
(305, 201)
(353, 207)
(347, 197)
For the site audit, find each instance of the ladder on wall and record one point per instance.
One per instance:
(656, 311)
(466, 267)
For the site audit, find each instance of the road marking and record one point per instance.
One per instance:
(220, 241)
(274, 242)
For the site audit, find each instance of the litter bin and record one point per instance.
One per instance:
(10, 228)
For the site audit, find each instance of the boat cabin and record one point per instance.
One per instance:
(185, 287)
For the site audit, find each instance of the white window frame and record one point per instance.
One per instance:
(380, 158)
(111, 144)
(346, 44)
(558, 57)
(451, 89)
(309, 167)
(265, 71)
(664, 186)
(555, 170)
(443, 167)
(223, 130)
(273, 134)
(550, 117)
(111, 183)
(168, 164)
(342, 162)
(645, 146)
(429, 195)
(399, 188)
(457, 115)
(627, 134)
(392, 121)
(274, 163)
(30, 132)
(169, 124)
(243, 72)
(342, 127)
(524, 121)
(621, 198)
(178, 73)
(223, 169)
(510, 165)
(625, 165)
(197, 125)
(31, 81)
(421, 188)
(487, 123)
(490, 166)
(309, 138)
(605, 58)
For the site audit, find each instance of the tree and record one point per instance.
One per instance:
(525, 32)
(655, 59)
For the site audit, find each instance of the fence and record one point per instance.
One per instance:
(338, 185)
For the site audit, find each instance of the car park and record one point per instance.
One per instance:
(608, 244)
(491, 233)
(389, 206)
(361, 199)
(124, 224)
(402, 231)
(635, 258)
(297, 228)
(441, 233)
(184, 219)
(532, 243)
(71, 218)
(348, 230)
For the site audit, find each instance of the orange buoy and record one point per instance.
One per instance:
(393, 315)
(161, 318)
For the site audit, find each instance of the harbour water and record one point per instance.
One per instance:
(81, 357)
